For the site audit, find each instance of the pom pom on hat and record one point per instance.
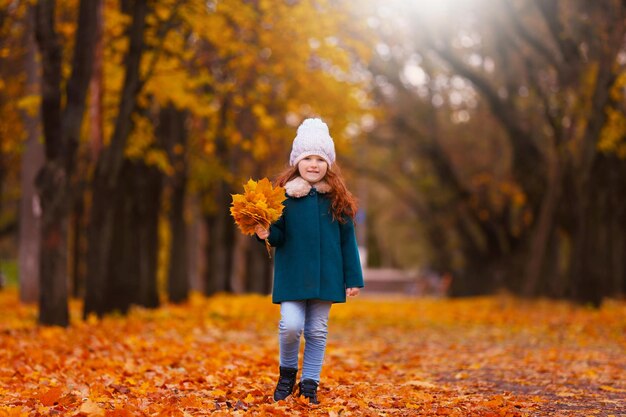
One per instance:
(313, 138)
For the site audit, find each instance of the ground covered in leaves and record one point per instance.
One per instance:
(386, 357)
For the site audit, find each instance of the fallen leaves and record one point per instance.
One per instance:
(401, 357)
(92, 409)
(51, 396)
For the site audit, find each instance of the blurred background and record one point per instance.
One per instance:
(485, 141)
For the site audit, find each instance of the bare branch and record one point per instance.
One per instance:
(531, 40)
(567, 46)
(111, 160)
(553, 120)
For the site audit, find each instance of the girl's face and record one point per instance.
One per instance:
(312, 168)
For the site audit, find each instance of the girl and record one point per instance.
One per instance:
(317, 260)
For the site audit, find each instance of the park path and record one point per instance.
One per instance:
(387, 356)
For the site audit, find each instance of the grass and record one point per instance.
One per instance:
(8, 269)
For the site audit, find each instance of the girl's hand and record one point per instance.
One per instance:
(352, 292)
(261, 232)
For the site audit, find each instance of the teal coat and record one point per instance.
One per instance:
(316, 257)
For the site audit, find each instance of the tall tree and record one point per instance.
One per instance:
(174, 137)
(109, 168)
(62, 117)
(32, 161)
(134, 156)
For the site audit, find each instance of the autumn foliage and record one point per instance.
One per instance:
(390, 357)
(260, 204)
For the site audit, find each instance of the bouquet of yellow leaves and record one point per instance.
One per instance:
(260, 204)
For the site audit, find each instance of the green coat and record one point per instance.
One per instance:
(316, 256)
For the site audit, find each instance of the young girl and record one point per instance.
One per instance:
(317, 260)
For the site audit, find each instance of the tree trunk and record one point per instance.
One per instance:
(239, 269)
(30, 216)
(32, 161)
(588, 284)
(178, 275)
(585, 282)
(96, 88)
(196, 244)
(220, 226)
(477, 277)
(80, 211)
(617, 224)
(100, 237)
(61, 129)
(106, 180)
(52, 179)
(220, 241)
(599, 249)
(557, 273)
(543, 230)
(134, 248)
(174, 138)
(53, 309)
(77, 248)
(259, 269)
(146, 221)
(122, 283)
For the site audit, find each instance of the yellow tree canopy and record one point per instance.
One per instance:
(245, 72)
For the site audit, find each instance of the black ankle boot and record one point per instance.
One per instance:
(308, 388)
(286, 381)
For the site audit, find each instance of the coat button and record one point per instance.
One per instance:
(312, 192)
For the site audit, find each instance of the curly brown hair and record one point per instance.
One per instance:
(344, 204)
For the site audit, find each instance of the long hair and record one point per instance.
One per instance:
(343, 205)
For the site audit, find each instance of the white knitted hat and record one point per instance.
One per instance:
(313, 138)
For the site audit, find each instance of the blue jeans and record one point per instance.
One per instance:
(312, 317)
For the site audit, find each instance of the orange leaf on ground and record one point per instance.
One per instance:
(51, 396)
(91, 409)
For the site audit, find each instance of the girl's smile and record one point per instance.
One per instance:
(312, 168)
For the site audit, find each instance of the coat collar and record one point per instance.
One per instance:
(299, 187)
